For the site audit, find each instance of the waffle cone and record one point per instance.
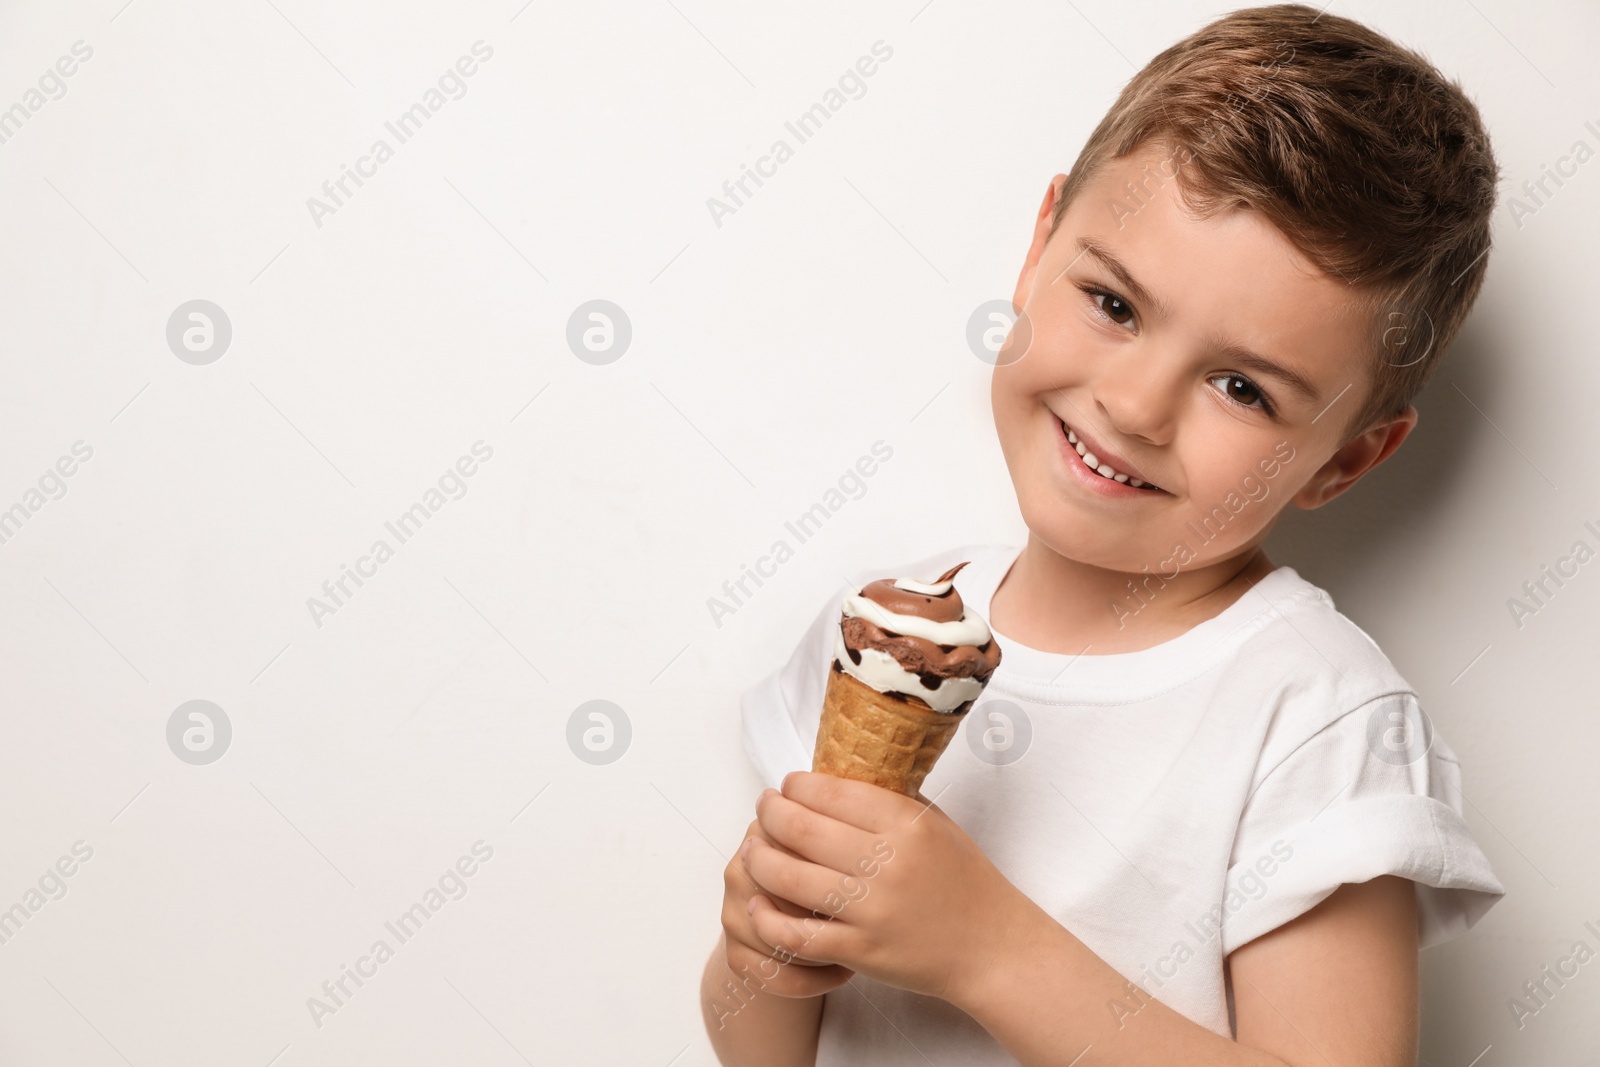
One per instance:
(881, 738)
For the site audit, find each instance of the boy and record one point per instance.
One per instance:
(1223, 827)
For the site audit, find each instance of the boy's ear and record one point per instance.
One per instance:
(1355, 458)
(1041, 233)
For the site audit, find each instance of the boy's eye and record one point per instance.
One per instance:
(1251, 394)
(1119, 310)
(1243, 391)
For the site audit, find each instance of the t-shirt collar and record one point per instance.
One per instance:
(1052, 677)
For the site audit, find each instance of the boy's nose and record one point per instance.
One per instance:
(1136, 396)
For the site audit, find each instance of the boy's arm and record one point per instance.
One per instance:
(767, 1030)
(1340, 980)
(762, 1007)
(1338, 984)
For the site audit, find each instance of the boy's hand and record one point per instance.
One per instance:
(915, 902)
(799, 977)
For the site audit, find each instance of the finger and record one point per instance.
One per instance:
(746, 883)
(809, 938)
(756, 830)
(789, 907)
(793, 911)
(860, 804)
(788, 910)
(786, 980)
(752, 943)
(810, 885)
(740, 887)
(820, 838)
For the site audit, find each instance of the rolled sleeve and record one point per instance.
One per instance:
(1375, 792)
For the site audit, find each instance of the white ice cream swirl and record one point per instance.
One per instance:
(883, 672)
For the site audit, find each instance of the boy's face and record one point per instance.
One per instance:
(1159, 387)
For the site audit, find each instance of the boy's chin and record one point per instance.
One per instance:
(1077, 540)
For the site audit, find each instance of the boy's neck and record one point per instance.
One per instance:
(1054, 604)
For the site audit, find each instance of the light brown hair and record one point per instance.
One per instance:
(1370, 161)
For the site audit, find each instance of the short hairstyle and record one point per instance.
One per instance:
(1365, 157)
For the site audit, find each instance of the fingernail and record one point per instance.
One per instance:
(744, 849)
(750, 906)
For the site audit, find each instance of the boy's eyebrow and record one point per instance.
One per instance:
(1129, 282)
(1245, 357)
(1262, 365)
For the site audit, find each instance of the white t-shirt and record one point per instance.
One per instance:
(1166, 805)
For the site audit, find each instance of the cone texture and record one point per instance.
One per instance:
(881, 738)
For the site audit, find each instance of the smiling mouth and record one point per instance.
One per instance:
(1100, 467)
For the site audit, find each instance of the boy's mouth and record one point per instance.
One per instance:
(1099, 466)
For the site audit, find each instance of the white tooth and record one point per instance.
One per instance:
(1105, 470)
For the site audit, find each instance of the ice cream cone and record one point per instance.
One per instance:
(909, 662)
(886, 739)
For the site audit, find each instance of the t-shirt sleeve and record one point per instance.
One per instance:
(781, 712)
(1375, 792)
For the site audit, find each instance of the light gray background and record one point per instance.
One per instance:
(430, 312)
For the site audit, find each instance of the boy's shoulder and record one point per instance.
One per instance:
(1302, 633)
(1324, 670)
